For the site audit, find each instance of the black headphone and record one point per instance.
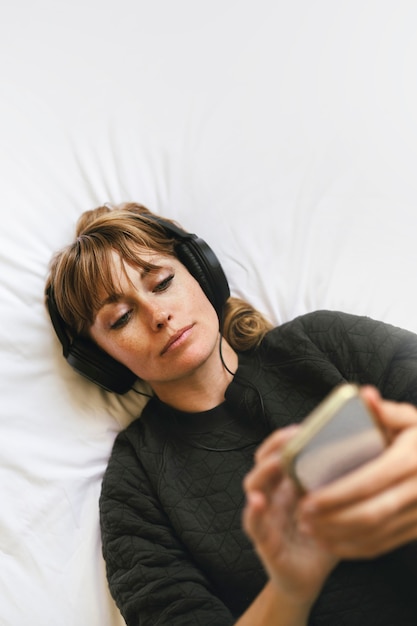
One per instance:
(98, 366)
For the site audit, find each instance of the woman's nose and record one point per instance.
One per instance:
(163, 320)
(158, 315)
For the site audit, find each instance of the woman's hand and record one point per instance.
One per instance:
(296, 564)
(374, 509)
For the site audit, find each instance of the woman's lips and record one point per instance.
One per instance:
(177, 338)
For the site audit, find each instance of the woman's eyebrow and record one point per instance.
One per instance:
(116, 297)
(111, 299)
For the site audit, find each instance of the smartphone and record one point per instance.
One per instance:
(338, 436)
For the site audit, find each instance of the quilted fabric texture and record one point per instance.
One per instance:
(172, 497)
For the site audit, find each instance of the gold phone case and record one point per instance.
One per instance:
(339, 435)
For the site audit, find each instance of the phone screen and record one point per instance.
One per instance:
(335, 440)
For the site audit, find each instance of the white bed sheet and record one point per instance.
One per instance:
(283, 133)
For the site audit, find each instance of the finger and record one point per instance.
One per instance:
(275, 442)
(263, 513)
(264, 475)
(252, 519)
(393, 415)
(381, 514)
(371, 528)
(371, 546)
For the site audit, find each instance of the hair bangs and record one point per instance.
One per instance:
(86, 272)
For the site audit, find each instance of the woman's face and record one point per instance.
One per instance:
(159, 324)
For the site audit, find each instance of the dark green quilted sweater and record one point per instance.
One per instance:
(172, 498)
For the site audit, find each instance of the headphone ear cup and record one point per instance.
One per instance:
(99, 367)
(205, 267)
(87, 358)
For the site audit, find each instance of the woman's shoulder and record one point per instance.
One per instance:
(326, 330)
(140, 435)
(309, 324)
(323, 321)
(135, 453)
(338, 335)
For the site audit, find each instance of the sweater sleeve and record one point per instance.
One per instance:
(368, 351)
(151, 577)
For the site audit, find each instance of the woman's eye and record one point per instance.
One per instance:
(164, 284)
(121, 321)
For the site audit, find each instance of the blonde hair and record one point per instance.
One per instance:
(82, 271)
(244, 327)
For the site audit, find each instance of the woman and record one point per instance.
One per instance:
(137, 293)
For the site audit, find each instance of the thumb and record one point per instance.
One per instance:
(395, 416)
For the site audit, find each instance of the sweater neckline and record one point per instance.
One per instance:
(242, 400)
(198, 421)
